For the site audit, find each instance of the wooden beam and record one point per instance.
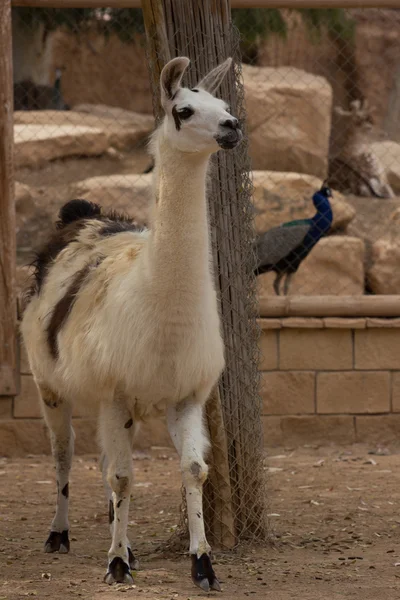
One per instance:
(329, 306)
(234, 3)
(157, 47)
(8, 312)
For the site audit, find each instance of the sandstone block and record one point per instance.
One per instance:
(23, 360)
(86, 436)
(280, 197)
(269, 350)
(316, 349)
(383, 276)
(344, 323)
(19, 437)
(6, 407)
(378, 429)
(27, 403)
(24, 204)
(377, 349)
(318, 429)
(379, 323)
(123, 129)
(266, 323)
(302, 323)
(353, 392)
(396, 391)
(291, 392)
(36, 144)
(289, 119)
(389, 156)
(335, 266)
(272, 432)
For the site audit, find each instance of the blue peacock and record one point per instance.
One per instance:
(282, 249)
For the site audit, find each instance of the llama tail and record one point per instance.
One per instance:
(75, 210)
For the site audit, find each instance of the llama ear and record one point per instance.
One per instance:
(211, 82)
(171, 77)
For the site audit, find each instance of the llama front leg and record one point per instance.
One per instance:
(57, 414)
(185, 424)
(133, 561)
(115, 424)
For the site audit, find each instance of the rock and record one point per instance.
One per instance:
(374, 224)
(58, 134)
(280, 197)
(383, 274)
(24, 204)
(34, 145)
(288, 119)
(389, 156)
(128, 193)
(384, 277)
(335, 266)
(115, 113)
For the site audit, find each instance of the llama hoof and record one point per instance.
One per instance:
(133, 562)
(118, 572)
(203, 574)
(57, 542)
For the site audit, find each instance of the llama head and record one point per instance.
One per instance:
(360, 115)
(195, 120)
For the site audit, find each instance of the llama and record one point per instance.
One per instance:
(356, 169)
(125, 321)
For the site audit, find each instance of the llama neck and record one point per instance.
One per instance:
(180, 247)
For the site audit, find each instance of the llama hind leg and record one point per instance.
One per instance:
(133, 561)
(115, 424)
(185, 424)
(57, 414)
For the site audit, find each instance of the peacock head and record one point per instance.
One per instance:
(321, 198)
(195, 120)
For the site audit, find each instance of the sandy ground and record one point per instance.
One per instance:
(334, 515)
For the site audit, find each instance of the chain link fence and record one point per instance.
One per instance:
(323, 101)
(82, 132)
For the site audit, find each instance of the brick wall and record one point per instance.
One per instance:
(330, 379)
(322, 380)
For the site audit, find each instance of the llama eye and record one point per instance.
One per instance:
(185, 113)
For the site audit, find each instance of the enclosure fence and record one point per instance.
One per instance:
(318, 94)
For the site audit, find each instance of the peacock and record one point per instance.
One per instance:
(282, 249)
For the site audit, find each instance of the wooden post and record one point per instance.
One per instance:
(201, 30)
(7, 211)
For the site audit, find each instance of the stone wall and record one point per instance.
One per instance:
(322, 381)
(330, 380)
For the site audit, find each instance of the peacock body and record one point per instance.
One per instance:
(282, 249)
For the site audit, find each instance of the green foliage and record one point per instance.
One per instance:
(253, 23)
(256, 24)
(125, 22)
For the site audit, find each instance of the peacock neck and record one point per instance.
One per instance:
(322, 220)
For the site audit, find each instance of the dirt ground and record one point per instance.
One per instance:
(334, 515)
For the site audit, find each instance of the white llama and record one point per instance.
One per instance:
(125, 321)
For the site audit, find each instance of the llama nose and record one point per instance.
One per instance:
(231, 123)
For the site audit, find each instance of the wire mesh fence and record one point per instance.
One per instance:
(322, 100)
(88, 147)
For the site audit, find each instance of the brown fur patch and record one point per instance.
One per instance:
(50, 399)
(74, 217)
(62, 310)
(49, 252)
